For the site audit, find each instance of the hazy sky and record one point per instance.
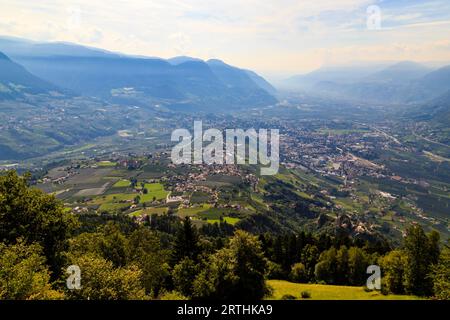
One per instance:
(277, 37)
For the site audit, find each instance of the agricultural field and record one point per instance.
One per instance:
(199, 197)
(105, 186)
(386, 205)
(328, 292)
(154, 191)
(391, 205)
(193, 211)
(106, 164)
(228, 220)
(122, 184)
(112, 202)
(150, 211)
(211, 215)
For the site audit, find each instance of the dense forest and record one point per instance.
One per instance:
(168, 258)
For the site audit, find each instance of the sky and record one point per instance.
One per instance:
(276, 38)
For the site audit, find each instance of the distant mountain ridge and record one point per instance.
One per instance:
(436, 111)
(15, 80)
(338, 74)
(181, 59)
(182, 82)
(400, 72)
(403, 82)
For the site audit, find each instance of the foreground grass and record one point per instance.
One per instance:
(328, 292)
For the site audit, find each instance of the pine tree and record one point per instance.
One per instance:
(186, 243)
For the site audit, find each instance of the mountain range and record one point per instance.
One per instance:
(58, 94)
(402, 82)
(180, 82)
(15, 80)
(54, 95)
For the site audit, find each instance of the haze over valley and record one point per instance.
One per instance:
(116, 161)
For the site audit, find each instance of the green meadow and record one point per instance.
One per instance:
(149, 211)
(328, 292)
(154, 190)
(122, 184)
(106, 164)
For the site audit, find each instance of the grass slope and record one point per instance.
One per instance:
(329, 292)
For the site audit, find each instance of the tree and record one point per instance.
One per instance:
(327, 266)
(23, 273)
(309, 257)
(298, 273)
(274, 270)
(141, 249)
(186, 243)
(278, 250)
(34, 216)
(101, 281)
(184, 274)
(342, 270)
(421, 252)
(85, 243)
(113, 245)
(292, 251)
(108, 242)
(434, 240)
(133, 182)
(441, 275)
(144, 250)
(393, 267)
(357, 266)
(234, 272)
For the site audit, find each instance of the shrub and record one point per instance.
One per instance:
(305, 294)
(274, 271)
(288, 297)
(298, 273)
(173, 295)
